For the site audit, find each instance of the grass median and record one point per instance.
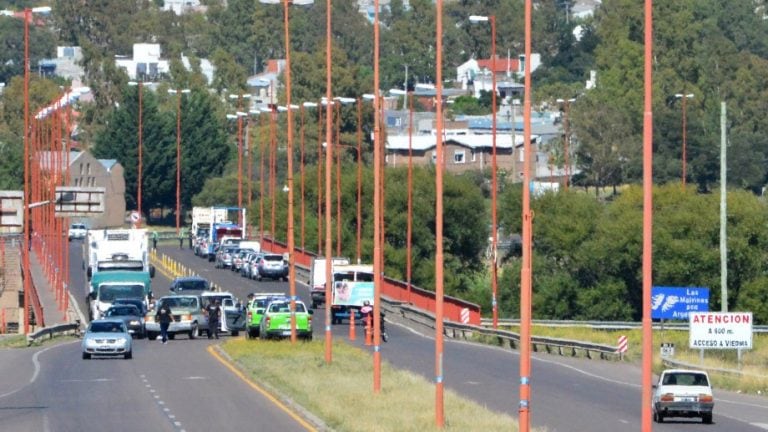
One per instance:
(341, 393)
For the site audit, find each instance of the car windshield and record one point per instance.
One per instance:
(126, 310)
(107, 293)
(179, 302)
(78, 226)
(107, 327)
(686, 379)
(186, 285)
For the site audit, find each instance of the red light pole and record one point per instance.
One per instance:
(139, 180)
(439, 259)
(494, 184)
(240, 115)
(527, 261)
(328, 165)
(27, 177)
(684, 97)
(178, 155)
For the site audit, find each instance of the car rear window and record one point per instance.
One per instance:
(686, 379)
(273, 257)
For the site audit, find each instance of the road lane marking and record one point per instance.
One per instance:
(212, 350)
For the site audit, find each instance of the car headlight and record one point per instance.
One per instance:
(90, 342)
(121, 340)
(134, 322)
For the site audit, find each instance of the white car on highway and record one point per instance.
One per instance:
(683, 393)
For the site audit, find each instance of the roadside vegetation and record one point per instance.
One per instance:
(406, 401)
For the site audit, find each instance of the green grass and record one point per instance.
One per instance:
(754, 362)
(20, 340)
(341, 393)
(13, 341)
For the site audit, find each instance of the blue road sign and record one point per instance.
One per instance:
(674, 303)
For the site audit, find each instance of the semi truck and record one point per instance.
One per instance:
(117, 249)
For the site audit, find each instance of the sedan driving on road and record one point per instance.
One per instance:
(107, 337)
(683, 393)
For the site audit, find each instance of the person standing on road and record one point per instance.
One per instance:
(213, 310)
(181, 238)
(163, 316)
(154, 240)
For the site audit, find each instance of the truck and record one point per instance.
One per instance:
(352, 287)
(117, 249)
(317, 278)
(202, 219)
(223, 227)
(107, 286)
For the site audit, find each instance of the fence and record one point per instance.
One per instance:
(397, 290)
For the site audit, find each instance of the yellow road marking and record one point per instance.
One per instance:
(261, 390)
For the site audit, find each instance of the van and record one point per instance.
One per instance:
(317, 278)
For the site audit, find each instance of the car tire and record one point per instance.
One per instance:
(128, 355)
(657, 417)
(235, 333)
(253, 333)
(86, 356)
(706, 418)
(193, 331)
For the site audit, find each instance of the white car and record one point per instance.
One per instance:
(107, 337)
(77, 231)
(683, 393)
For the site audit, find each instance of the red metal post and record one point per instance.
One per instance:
(141, 157)
(378, 183)
(439, 259)
(328, 164)
(27, 177)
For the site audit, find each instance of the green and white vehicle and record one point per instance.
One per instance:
(106, 287)
(255, 311)
(276, 322)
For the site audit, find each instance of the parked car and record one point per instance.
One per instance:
(276, 322)
(255, 310)
(189, 285)
(253, 265)
(139, 303)
(272, 266)
(187, 314)
(232, 318)
(224, 257)
(131, 316)
(683, 393)
(107, 337)
(77, 231)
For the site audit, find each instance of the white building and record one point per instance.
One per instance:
(145, 64)
(179, 7)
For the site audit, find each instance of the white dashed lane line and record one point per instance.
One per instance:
(161, 404)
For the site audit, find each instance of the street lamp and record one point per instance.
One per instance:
(178, 92)
(566, 139)
(139, 180)
(684, 97)
(494, 186)
(291, 246)
(240, 115)
(409, 230)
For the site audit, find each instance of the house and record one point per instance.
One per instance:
(263, 86)
(180, 7)
(87, 171)
(145, 64)
(476, 75)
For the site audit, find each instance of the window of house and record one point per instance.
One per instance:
(459, 157)
(88, 168)
(81, 168)
(474, 156)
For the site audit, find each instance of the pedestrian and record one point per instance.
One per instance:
(191, 238)
(164, 317)
(213, 310)
(181, 238)
(154, 240)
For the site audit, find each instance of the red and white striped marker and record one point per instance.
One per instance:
(623, 344)
(465, 316)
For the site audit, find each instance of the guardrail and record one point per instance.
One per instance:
(50, 331)
(507, 339)
(607, 325)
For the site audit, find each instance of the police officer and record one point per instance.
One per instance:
(213, 310)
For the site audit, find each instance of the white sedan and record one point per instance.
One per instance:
(107, 337)
(683, 393)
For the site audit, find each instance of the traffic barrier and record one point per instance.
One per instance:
(50, 331)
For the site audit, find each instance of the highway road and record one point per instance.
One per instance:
(181, 386)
